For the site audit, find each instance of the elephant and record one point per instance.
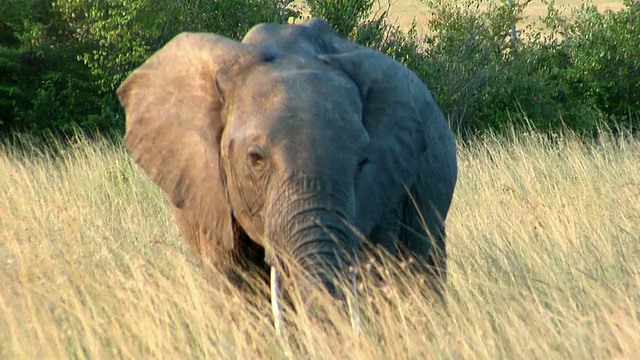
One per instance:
(293, 142)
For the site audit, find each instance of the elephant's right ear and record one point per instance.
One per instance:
(403, 123)
(173, 127)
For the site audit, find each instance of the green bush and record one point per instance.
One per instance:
(61, 60)
(577, 72)
(124, 33)
(45, 87)
(602, 52)
(345, 16)
(469, 59)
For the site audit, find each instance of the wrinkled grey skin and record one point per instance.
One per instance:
(280, 143)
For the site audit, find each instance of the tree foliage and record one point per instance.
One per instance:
(577, 72)
(61, 60)
(43, 86)
(343, 15)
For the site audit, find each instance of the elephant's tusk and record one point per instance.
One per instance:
(275, 307)
(354, 311)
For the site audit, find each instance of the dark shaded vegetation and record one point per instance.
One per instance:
(61, 61)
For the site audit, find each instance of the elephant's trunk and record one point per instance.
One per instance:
(311, 222)
(320, 247)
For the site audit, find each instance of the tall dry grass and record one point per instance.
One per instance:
(544, 259)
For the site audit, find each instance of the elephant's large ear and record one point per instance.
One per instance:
(398, 113)
(173, 128)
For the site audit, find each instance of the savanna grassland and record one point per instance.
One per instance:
(544, 262)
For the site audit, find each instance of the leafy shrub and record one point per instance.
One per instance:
(345, 16)
(45, 88)
(601, 52)
(63, 60)
(123, 34)
(578, 71)
(468, 58)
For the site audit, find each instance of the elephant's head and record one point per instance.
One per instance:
(292, 148)
(288, 137)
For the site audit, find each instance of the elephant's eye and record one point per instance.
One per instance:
(256, 156)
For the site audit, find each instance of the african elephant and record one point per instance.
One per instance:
(292, 141)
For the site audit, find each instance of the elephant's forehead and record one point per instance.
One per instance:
(303, 40)
(304, 102)
(294, 87)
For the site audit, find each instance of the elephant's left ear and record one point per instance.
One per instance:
(174, 126)
(402, 120)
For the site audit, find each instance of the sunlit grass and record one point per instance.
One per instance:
(544, 262)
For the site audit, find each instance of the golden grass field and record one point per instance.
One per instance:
(544, 259)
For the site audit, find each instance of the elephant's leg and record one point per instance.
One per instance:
(209, 255)
(385, 234)
(402, 233)
(233, 263)
(383, 239)
(422, 245)
(423, 236)
(422, 223)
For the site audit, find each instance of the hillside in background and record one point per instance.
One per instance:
(404, 12)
